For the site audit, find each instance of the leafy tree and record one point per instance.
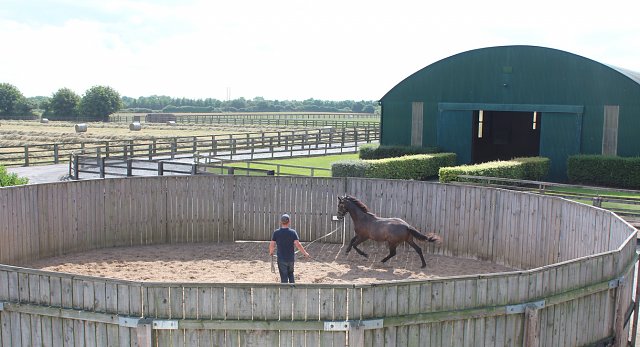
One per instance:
(64, 104)
(40, 102)
(7, 179)
(99, 102)
(13, 103)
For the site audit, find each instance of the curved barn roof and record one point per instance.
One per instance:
(631, 74)
(549, 56)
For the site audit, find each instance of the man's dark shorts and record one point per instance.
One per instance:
(286, 271)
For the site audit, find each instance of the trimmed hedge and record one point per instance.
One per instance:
(410, 167)
(604, 170)
(349, 168)
(534, 168)
(371, 151)
(505, 169)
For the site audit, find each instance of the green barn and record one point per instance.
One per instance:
(513, 101)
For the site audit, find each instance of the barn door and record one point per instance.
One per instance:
(455, 133)
(559, 139)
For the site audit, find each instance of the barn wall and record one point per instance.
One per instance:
(519, 75)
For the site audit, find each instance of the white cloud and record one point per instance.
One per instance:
(288, 49)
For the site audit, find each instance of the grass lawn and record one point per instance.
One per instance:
(315, 162)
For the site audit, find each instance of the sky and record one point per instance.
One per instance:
(284, 49)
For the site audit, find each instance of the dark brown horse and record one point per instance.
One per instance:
(369, 226)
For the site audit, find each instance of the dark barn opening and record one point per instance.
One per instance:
(503, 135)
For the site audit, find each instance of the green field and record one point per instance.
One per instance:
(322, 162)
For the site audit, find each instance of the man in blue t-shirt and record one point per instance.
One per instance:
(285, 238)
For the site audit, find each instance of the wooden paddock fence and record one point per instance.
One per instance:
(177, 146)
(574, 287)
(339, 119)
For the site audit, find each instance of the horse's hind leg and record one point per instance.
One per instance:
(392, 252)
(419, 250)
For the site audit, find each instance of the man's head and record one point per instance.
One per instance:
(285, 219)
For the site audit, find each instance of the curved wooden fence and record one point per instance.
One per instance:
(574, 288)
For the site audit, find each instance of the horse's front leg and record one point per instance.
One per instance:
(355, 241)
(351, 244)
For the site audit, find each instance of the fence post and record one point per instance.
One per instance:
(129, 167)
(124, 151)
(634, 329)
(82, 148)
(355, 136)
(150, 152)
(174, 147)
(597, 201)
(131, 148)
(55, 154)
(230, 171)
(144, 334)
(76, 174)
(106, 149)
(195, 141)
(160, 168)
(26, 155)
(532, 334)
(253, 148)
(101, 162)
(620, 338)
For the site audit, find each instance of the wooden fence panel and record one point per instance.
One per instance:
(6, 227)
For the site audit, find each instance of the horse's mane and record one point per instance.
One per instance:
(358, 203)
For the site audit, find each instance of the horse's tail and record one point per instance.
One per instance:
(430, 237)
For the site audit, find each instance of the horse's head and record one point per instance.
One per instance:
(342, 209)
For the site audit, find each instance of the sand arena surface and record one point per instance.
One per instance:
(249, 262)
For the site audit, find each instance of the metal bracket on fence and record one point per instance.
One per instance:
(616, 282)
(165, 324)
(353, 324)
(128, 322)
(520, 308)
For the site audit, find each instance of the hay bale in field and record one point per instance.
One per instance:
(81, 128)
(44, 120)
(171, 123)
(135, 126)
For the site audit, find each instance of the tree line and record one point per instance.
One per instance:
(257, 104)
(99, 102)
